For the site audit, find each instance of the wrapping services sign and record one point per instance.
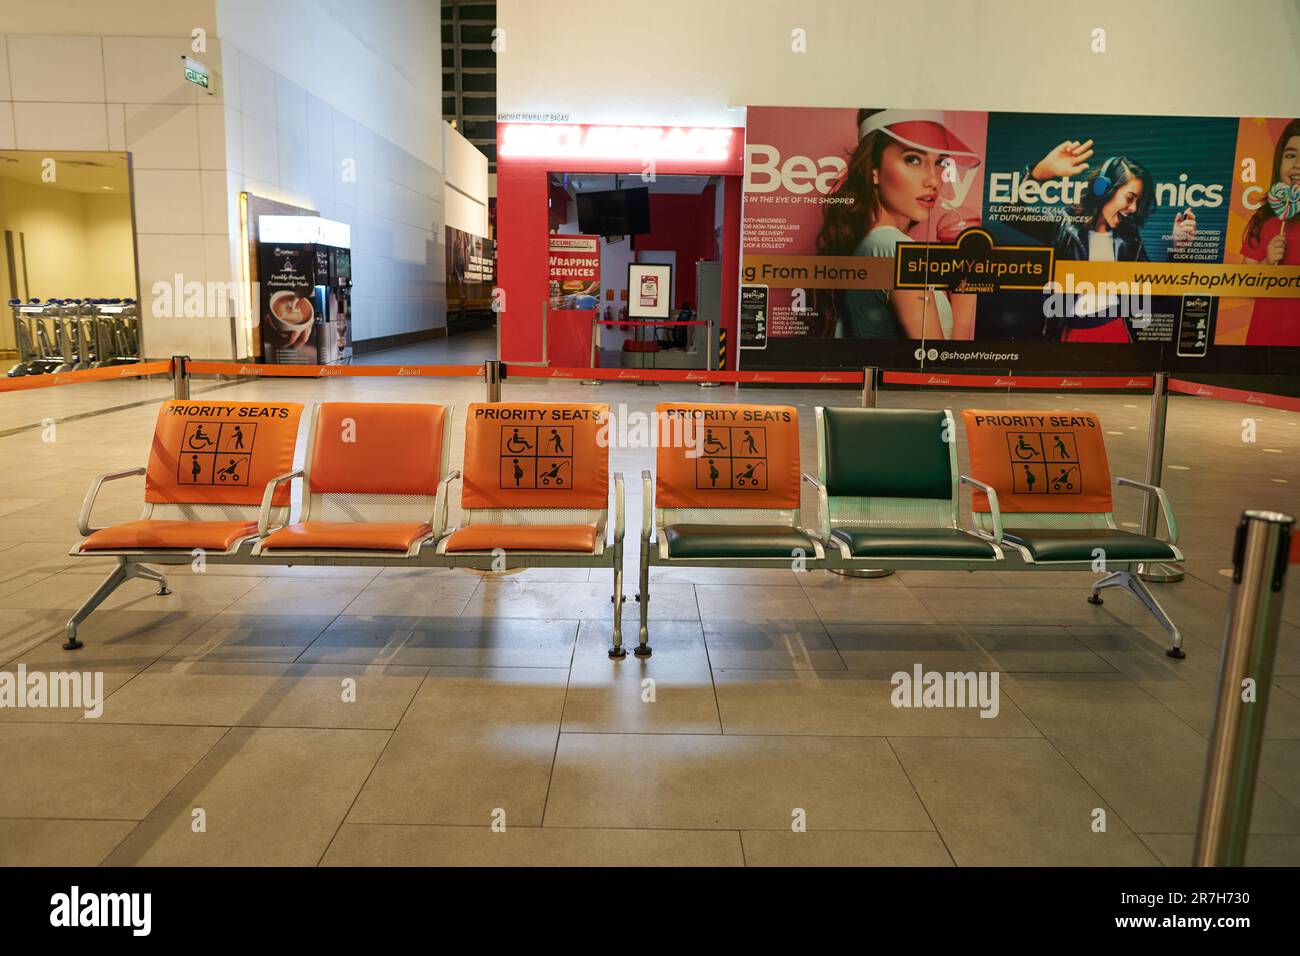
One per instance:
(575, 272)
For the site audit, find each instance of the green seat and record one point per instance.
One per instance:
(1077, 544)
(736, 541)
(914, 543)
(887, 453)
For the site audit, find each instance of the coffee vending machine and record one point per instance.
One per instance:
(305, 281)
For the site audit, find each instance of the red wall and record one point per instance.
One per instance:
(522, 232)
(681, 224)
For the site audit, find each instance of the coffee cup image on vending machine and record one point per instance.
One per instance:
(895, 180)
(289, 319)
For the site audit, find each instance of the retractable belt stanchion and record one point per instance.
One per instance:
(494, 372)
(595, 343)
(1259, 564)
(180, 377)
(870, 382)
(1156, 573)
(711, 363)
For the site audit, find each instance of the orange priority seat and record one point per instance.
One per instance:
(522, 537)
(208, 465)
(536, 478)
(726, 492)
(373, 482)
(535, 492)
(1053, 506)
(146, 534)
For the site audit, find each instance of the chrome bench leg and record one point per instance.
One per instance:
(618, 651)
(116, 578)
(1135, 586)
(1112, 580)
(643, 601)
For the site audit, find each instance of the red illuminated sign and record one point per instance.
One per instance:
(644, 143)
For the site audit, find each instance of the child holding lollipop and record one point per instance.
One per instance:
(1273, 238)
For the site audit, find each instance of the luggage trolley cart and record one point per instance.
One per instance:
(117, 335)
(48, 359)
(24, 339)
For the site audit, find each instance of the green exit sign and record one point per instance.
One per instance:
(196, 73)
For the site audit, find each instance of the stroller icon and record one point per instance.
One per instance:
(1064, 480)
(747, 477)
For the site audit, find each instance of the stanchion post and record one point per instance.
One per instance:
(1154, 572)
(870, 382)
(180, 377)
(712, 340)
(494, 372)
(595, 341)
(1259, 566)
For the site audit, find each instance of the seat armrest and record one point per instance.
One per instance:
(1170, 522)
(647, 507)
(823, 507)
(438, 520)
(264, 516)
(996, 536)
(619, 509)
(83, 520)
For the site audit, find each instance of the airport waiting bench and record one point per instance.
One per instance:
(887, 489)
(1040, 491)
(375, 492)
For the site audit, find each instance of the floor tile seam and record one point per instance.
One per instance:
(163, 799)
(1110, 804)
(343, 818)
(921, 800)
(559, 727)
(708, 660)
(96, 412)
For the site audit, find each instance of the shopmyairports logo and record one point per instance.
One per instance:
(75, 690)
(974, 263)
(76, 909)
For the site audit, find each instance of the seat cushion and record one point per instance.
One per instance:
(914, 543)
(1077, 544)
(736, 541)
(346, 536)
(169, 535)
(524, 537)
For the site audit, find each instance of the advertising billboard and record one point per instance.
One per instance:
(1024, 241)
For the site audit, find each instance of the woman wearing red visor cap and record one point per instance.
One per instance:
(894, 179)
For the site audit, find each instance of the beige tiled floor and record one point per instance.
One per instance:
(346, 716)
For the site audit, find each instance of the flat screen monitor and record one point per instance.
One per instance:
(614, 212)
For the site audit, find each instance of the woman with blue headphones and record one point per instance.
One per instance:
(1102, 226)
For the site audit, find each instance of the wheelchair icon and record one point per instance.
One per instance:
(1023, 446)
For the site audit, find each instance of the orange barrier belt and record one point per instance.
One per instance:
(683, 375)
(333, 371)
(139, 369)
(1283, 402)
(1051, 382)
